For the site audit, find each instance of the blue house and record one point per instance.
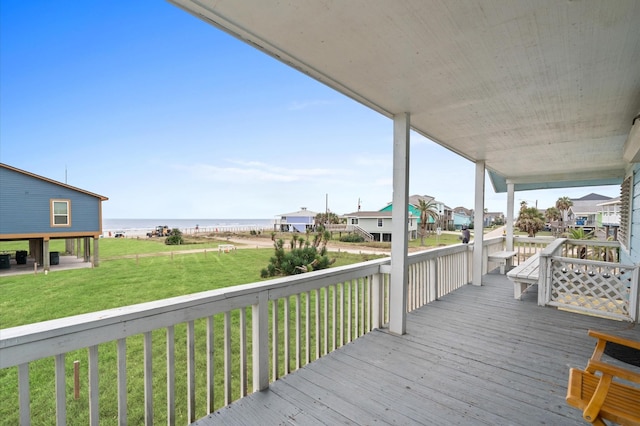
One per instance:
(298, 221)
(37, 209)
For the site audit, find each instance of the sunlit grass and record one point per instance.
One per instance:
(30, 298)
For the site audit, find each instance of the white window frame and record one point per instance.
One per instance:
(380, 223)
(56, 216)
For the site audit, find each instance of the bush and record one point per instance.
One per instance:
(175, 239)
(352, 238)
(298, 259)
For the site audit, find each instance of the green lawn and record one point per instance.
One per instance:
(118, 282)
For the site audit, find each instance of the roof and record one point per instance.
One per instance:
(534, 89)
(33, 175)
(588, 204)
(301, 213)
(591, 197)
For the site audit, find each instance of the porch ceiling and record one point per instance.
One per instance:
(543, 91)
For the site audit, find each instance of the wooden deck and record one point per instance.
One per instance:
(477, 356)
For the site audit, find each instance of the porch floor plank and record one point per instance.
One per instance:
(477, 356)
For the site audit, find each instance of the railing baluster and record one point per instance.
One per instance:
(210, 365)
(243, 352)
(122, 381)
(171, 376)
(275, 337)
(349, 310)
(227, 358)
(61, 389)
(148, 379)
(356, 306)
(326, 320)
(307, 328)
(298, 332)
(24, 394)
(191, 372)
(94, 411)
(334, 319)
(287, 336)
(316, 294)
(341, 341)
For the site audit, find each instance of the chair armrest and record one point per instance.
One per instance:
(613, 370)
(603, 338)
(592, 411)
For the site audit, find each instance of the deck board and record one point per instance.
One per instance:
(477, 356)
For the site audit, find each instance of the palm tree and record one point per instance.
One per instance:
(563, 205)
(428, 209)
(530, 220)
(552, 214)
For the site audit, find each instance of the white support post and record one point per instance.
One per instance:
(510, 199)
(400, 218)
(478, 224)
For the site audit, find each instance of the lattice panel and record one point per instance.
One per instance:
(596, 288)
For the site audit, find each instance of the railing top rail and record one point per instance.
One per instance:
(554, 247)
(525, 239)
(598, 243)
(594, 262)
(437, 252)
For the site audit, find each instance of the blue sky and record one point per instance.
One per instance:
(169, 117)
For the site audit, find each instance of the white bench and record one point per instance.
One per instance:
(525, 275)
(226, 247)
(504, 258)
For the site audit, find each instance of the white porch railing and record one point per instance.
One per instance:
(585, 276)
(193, 354)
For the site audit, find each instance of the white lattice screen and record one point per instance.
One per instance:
(597, 287)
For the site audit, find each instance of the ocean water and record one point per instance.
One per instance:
(142, 226)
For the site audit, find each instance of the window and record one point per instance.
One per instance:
(354, 220)
(379, 223)
(60, 213)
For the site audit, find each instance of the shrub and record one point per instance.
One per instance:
(301, 257)
(175, 239)
(352, 238)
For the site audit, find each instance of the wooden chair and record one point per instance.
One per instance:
(598, 390)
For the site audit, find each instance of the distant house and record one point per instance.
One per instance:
(444, 213)
(609, 216)
(462, 217)
(584, 213)
(298, 221)
(378, 224)
(37, 209)
(493, 218)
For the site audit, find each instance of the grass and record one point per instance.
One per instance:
(118, 282)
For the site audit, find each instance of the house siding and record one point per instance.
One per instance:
(25, 206)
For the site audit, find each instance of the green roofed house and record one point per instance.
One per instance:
(37, 209)
(444, 213)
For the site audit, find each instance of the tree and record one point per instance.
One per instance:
(428, 209)
(327, 218)
(552, 213)
(530, 220)
(563, 205)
